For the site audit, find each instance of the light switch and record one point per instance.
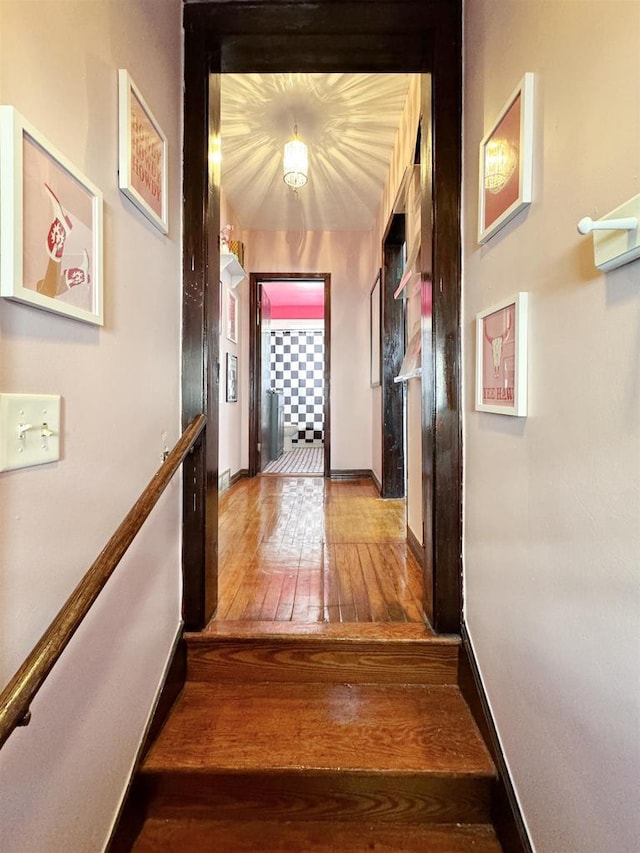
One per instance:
(29, 430)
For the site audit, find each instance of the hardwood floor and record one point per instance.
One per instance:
(303, 550)
(320, 714)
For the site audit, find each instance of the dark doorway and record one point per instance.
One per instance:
(323, 36)
(259, 379)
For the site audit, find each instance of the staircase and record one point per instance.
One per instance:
(353, 738)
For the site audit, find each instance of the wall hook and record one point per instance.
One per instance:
(587, 224)
(616, 236)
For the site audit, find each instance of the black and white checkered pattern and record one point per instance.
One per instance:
(297, 369)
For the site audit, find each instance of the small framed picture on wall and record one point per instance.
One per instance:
(232, 378)
(506, 162)
(501, 357)
(142, 154)
(50, 225)
(232, 317)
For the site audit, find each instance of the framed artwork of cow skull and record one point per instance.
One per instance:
(501, 357)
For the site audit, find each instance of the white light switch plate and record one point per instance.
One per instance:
(29, 430)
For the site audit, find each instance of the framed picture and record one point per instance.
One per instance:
(50, 225)
(375, 330)
(232, 378)
(232, 317)
(506, 155)
(142, 156)
(501, 358)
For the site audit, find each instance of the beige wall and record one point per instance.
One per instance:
(233, 452)
(351, 259)
(552, 502)
(62, 777)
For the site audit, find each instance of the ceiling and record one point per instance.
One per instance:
(349, 122)
(296, 299)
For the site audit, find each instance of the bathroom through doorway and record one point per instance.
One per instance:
(289, 384)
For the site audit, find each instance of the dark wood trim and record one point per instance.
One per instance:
(255, 360)
(254, 375)
(414, 546)
(393, 349)
(131, 816)
(327, 374)
(239, 475)
(376, 482)
(446, 350)
(428, 379)
(200, 323)
(506, 816)
(347, 36)
(351, 474)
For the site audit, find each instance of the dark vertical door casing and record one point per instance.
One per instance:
(445, 349)
(323, 36)
(200, 324)
(264, 332)
(393, 347)
(426, 313)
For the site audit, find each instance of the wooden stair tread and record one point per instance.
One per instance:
(302, 727)
(399, 631)
(194, 836)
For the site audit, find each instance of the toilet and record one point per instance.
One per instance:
(290, 432)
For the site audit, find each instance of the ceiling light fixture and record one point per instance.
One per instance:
(295, 162)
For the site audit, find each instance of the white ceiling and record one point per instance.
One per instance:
(349, 122)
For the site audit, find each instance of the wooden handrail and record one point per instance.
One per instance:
(16, 698)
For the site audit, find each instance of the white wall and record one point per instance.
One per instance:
(552, 502)
(351, 258)
(233, 448)
(61, 779)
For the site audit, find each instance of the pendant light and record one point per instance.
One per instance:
(295, 162)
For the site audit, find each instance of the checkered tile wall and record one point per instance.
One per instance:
(297, 367)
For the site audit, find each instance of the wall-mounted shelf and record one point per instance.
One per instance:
(416, 373)
(616, 236)
(230, 265)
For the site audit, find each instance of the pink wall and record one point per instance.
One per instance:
(552, 502)
(351, 258)
(62, 778)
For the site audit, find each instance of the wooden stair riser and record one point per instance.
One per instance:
(195, 836)
(289, 660)
(285, 796)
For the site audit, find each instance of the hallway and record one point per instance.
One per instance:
(307, 550)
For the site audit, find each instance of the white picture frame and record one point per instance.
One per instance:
(501, 357)
(50, 225)
(506, 162)
(142, 154)
(232, 317)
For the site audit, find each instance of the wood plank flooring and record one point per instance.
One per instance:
(304, 550)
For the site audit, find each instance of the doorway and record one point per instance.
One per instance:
(289, 353)
(243, 38)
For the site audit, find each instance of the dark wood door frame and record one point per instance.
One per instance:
(324, 36)
(255, 359)
(393, 347)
